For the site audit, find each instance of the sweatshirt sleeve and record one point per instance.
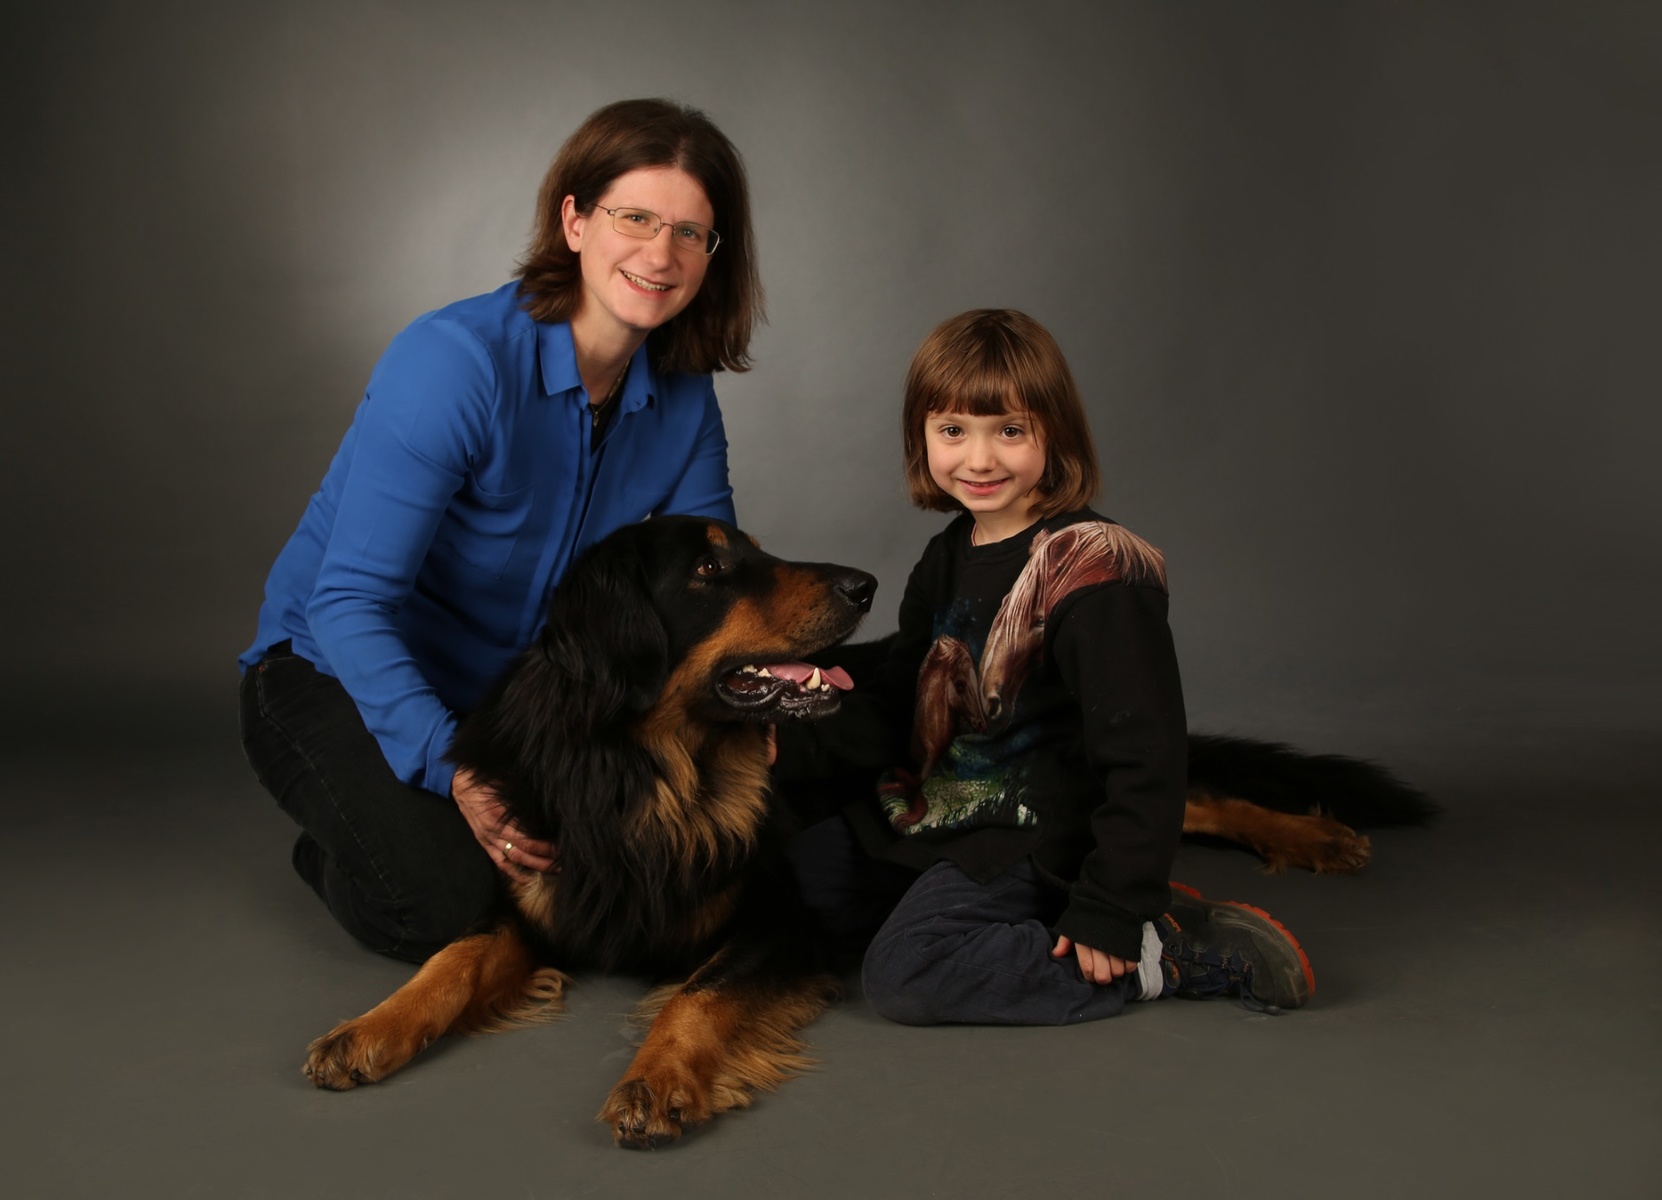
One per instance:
(416, 432)
(1114, 650)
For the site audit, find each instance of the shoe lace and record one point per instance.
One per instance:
(1208, 973)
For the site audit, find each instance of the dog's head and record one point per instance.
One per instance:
(689, 614)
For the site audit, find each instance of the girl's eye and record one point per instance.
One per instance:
(950, 431)
(1011, 431)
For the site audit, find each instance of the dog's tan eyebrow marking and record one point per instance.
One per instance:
(718, 539)
(753, 542)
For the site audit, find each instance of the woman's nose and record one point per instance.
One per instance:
(660, 246)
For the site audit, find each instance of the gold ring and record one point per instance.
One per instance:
(507, 846)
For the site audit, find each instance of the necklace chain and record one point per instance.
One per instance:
(596, 409)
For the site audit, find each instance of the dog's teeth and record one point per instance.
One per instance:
(813, 680)
(748, 669)
(764, 673)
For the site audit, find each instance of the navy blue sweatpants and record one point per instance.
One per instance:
(945, 948)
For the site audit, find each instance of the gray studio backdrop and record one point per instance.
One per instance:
(1361, 297)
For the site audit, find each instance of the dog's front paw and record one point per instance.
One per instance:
(353, 1053)
(645, 1116)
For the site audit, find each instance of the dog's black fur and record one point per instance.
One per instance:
(559, 735)
(1360, 793)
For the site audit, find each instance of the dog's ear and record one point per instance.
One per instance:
(605, 643)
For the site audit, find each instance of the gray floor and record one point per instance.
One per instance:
(1486, 1023)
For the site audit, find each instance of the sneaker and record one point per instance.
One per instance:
(1226, 948)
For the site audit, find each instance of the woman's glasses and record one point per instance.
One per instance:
(683, 235)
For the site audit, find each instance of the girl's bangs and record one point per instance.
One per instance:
(978, 394)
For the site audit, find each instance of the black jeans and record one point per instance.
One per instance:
(944, 948)
(397, 866)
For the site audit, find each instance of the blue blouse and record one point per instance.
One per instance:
(463, 490)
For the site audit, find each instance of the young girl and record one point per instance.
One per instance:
(1017, 863)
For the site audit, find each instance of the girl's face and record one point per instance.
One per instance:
(632, 284)
(990, 465)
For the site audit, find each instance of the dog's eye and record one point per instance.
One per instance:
(707, 566)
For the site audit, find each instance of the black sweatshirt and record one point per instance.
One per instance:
(1033, 694)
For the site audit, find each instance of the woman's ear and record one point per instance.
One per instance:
(574, 223)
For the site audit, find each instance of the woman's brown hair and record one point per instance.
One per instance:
(713, 332)
(989, 361)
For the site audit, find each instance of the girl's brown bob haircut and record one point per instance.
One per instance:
(989, 361)
(713, 332)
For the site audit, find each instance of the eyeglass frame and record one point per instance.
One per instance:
(711, 236)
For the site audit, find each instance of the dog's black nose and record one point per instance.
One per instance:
(857, 588)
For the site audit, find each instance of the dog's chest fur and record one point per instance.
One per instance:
(661, 891)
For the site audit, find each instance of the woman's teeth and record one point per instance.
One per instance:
(641, 283)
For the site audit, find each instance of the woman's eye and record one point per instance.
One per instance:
(691, 234)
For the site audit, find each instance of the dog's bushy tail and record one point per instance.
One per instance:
(1359, 793)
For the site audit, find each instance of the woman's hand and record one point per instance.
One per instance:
(515, 854)
(1094, 965)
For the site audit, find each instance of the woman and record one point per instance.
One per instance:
(498, 438)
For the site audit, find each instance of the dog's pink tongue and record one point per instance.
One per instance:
(798, 672)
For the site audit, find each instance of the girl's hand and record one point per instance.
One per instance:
(515, 855)
(1094, 965)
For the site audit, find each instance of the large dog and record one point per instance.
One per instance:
(634, 735)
